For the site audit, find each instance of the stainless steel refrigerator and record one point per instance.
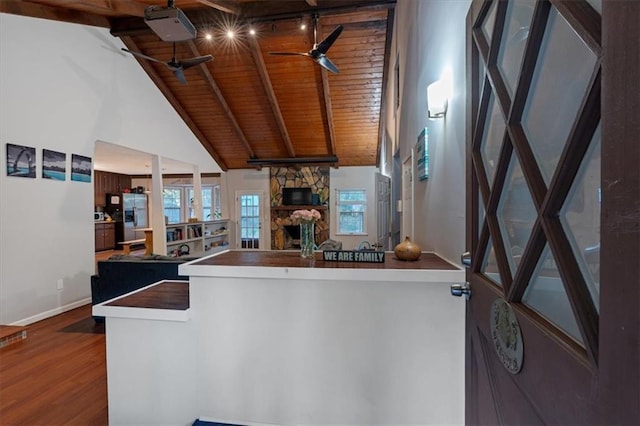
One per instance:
(136, 215)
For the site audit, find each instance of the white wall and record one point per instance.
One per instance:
(429, 36)
(354, 178)
(64, 87)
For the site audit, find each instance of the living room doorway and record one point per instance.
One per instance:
(249, 219)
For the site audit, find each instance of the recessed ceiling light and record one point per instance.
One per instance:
(303, 26)
(230, 34)
(252, 31)
(208, 36)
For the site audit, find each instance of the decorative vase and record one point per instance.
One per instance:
(407, 250)
(307, 238)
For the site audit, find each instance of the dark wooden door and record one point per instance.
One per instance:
(553, 196)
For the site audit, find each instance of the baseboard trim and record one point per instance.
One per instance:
(52, 312)
(229, 422)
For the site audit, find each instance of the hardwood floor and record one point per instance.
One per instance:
(57, 375)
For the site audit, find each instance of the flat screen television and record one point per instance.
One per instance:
(296, 196)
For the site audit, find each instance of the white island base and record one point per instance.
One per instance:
(291, 341)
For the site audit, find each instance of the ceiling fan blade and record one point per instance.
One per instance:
(180, 75)
(288, 54)
(143, 56)
(192, 62)
(326, 63)
(325, 44)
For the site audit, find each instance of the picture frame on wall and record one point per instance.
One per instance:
(21, 161)
(54, 165)
(80, 168)
(422, 155)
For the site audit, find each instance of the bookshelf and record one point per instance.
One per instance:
(202, 238)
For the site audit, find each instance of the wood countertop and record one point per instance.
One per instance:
(285, 264)
(292, 259)
(166, 300)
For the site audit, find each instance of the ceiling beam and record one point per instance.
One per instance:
(204, 71)
(203, 17)
(157, 80)
(292, 161)
(271, 95)
(257, 12)
(36, 10)
(385, 78)
(326, 93)
(120, 7)
(222, 6)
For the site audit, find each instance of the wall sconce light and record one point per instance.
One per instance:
(438, 94)
(437, 99)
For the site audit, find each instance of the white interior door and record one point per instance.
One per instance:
(383, 210)
(249, 206)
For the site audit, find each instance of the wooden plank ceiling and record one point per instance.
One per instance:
(248, 106)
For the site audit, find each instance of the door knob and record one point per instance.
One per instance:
(466, 259)
(460, 289)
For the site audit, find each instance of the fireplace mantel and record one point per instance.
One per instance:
(288, 208)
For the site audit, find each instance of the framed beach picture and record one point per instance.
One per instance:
(422, 154)
(80, 168)
(54, 165)
(21, 161)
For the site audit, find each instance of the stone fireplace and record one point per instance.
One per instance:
(314, 177)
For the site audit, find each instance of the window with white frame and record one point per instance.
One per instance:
(172, 204)
(210, 203)
(351, 211)
(178, 202)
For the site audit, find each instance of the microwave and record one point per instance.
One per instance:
(98, 216)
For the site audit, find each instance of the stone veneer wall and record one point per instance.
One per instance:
(314, 177)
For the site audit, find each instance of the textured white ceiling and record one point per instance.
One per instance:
(113, 158)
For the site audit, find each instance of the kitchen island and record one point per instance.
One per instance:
(278, 339)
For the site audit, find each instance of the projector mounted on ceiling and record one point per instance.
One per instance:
(169, 23)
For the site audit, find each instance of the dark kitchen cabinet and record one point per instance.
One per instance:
(105, 234)
(108, 183)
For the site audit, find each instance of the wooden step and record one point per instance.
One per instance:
(11, 334)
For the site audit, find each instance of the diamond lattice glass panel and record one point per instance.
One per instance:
(546, 295)
(489, 22)
(514, 40)
(481, 211)
(596, 4)
(482, 74)
(490, 265)
(494, 131)
(580, 217)
(559, 84)
(516, 214)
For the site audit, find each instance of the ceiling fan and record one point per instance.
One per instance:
(318, 53)
(177, 67)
